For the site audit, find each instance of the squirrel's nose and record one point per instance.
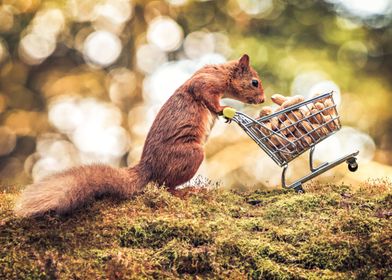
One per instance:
(261, 99)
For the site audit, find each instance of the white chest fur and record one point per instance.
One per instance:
(211, 118)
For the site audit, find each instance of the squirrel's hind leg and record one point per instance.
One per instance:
(184, 163)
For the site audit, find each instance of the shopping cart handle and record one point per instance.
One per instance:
(229, 112)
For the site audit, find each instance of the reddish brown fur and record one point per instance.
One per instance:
(173, 150)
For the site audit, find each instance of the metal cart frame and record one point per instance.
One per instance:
(283, 150)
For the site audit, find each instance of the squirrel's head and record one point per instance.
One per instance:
(245, 83)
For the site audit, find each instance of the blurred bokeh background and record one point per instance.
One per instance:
(81, 80)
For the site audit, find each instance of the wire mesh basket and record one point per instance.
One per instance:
(288, 133)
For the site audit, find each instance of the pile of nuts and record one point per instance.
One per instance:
(299, 128)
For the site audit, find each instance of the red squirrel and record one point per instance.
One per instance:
(173, 150)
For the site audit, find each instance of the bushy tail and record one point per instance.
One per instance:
(65, 191)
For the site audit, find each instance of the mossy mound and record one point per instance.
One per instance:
(330, 232)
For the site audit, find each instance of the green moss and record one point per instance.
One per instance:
(181, 257)
(330, 254)
(360, 225)
(157, 233)
(296, 206)
(262, 197)
(267, 269)
(331, 232)
(158, 199)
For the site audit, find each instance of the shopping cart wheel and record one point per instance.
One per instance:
(299, 189)
(352, 164)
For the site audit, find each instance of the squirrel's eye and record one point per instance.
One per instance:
(255, 83)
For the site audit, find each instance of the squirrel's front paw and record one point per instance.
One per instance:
(220, 113)
(229, 113)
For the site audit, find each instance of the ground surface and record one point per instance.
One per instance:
(331, 232)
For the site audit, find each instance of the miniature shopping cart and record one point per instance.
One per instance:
(288, 133)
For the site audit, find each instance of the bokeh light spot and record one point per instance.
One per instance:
(353, 53)
(102, 48)
(346, 141)
(256, 8)
(210, 58)
(34, 48)
(122, 85)
(118, 11)
(158, 87)
(44, 167)
(93, 126)
(7, 140)
(49, 23)
(23, 122)
(149, 57)
(177, 2)
(304, 81)
(324, 87)
(112, 141)
(65, 115)
(112, 15)
(346, 23)
(198, 43)
(82, 10)
(165, 33)
(365, 8)
(6, 18)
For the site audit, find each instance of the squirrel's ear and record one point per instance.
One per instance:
(244, 61)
